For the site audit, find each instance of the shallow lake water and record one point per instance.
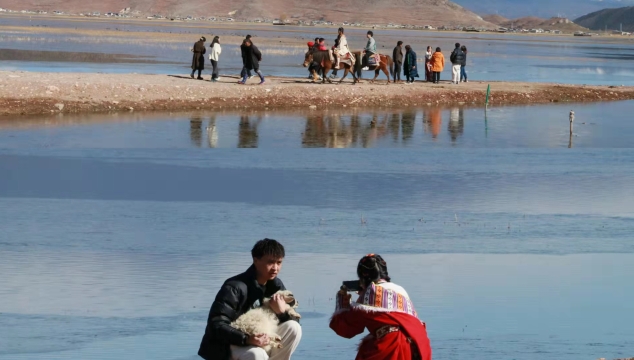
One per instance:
(118, 229)
(492, 57)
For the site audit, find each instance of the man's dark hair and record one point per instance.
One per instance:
(316, 39)
(321, 39)
(340, 29)
(457, 45)
(370, 33)
(268, 247)
(438, 49)
(408, 48)
(248, 37)
(399, 43)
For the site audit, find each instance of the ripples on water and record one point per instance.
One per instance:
(118, 230)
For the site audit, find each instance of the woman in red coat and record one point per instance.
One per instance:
(385, 309)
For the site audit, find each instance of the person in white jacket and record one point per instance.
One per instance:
(214, 56)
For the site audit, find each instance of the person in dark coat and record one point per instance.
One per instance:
(238, 295)
(251, 57)
(198, 60)
(410, 68)
(457, 58)
(463, 68)
(397, 56)
(248, 72)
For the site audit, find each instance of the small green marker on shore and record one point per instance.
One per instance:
(488, 93)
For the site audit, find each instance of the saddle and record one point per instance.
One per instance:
(374, 60)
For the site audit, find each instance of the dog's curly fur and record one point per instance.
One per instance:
(263, 320)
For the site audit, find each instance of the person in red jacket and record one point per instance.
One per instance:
(385, 309)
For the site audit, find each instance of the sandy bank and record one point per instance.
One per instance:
(26, 93)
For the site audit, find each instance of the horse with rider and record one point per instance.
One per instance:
(322, 60)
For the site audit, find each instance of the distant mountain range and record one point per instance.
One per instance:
(612, 18)
(413, 12)
(570, 9)
(532, 22)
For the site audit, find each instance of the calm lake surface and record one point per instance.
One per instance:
(514, 243)
(492, 57)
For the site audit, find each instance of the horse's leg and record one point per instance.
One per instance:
(327, 68)
(345, 73)
(376, 74)
(386, 73)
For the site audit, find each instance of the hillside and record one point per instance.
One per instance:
(414, 12)
(495, 19)
(613, 18)
(532, 22)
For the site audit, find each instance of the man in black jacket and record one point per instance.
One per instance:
(457, 57)
(238, 295)
(251, 57)
(397, 56)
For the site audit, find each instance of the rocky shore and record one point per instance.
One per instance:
(26, 93)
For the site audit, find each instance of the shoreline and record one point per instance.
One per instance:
(31, 93)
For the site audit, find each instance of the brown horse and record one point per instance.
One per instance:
(325, 64)
(386, 64)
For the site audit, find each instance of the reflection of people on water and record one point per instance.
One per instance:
(456, 123)
(432, 120)
(212, 132)
(196, 130)
(395, 126)
(314, 135)
(326, 131)
(408, 122)
(248, 132)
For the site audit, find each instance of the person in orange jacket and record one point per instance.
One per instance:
(437, 65)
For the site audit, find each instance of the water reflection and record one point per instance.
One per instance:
(541, 126)
(196, 131)
(248, 132)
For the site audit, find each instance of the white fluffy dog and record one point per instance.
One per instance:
(263, 320)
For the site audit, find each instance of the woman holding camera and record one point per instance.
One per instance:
(385, 309)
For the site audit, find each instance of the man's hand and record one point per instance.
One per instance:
(259, 340)
(278, 305)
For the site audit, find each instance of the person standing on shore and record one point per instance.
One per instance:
(463, 68)
(251, 57)
(397, 55)
(214, 56)
(437, 64)
(410, 69)
(198, 59)
(457, 57)
(428, 72)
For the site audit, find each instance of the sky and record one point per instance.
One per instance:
(571, 9)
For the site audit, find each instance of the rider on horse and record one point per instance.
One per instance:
(342, 50)
(370, 50)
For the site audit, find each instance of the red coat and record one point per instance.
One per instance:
(392, 346)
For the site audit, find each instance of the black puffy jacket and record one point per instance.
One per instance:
(237, 295)
(457, 57)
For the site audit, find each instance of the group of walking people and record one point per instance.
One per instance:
(251, 57)
(405, 62)
(434, 64)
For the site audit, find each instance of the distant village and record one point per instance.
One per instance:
(296, 20)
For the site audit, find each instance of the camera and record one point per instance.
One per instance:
(352, 285)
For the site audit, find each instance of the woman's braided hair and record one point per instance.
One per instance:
(372, 268)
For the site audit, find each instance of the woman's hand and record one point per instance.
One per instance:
(259, 340)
